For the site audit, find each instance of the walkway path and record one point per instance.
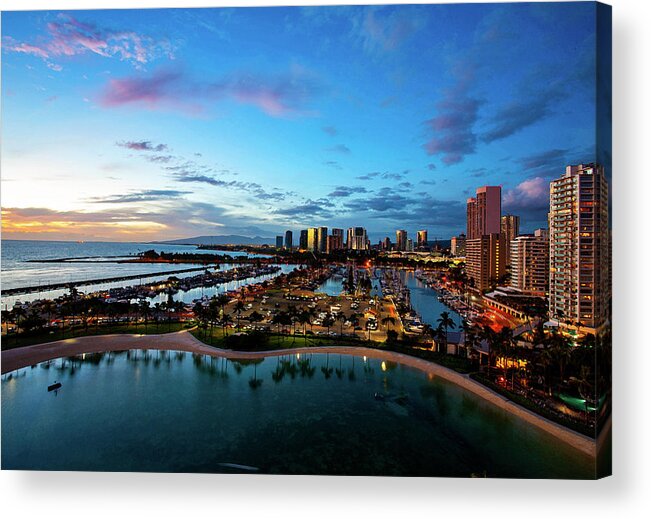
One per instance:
(184, 341)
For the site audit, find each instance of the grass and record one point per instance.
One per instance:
(17, 341)
(279, 342)
(276, 341)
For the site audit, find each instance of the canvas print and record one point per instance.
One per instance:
(339, 240)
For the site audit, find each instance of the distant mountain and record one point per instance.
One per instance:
(230, 239)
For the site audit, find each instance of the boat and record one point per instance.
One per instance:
(54, 387)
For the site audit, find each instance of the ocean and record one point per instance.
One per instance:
(17, 271)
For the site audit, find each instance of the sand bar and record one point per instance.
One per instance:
(184, 341)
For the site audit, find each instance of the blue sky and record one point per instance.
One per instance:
(153, 124)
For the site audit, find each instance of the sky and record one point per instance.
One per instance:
(138, 125)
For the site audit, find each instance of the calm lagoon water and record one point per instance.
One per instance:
(176, 412)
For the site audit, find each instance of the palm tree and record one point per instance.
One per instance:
(440, 336)
(226, 318)
(213, 304)
(144, 309)
(239, 306)
(388, 320)
(62, 314)
(505, 348)
(341, 317)
(280, 320)
(586, 387)
(47, 308)
(19, 312)
(200, 316)
(156, 313)
(561, 351)
(490, 337)
(445, 322)
(305, 318)
(470, 338)
(328, 321)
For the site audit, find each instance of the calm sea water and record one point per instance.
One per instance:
(18, 272)
(175, 412)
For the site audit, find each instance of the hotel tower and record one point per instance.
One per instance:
(579, 282)
(485, 244)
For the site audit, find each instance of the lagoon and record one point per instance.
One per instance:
(167, 411)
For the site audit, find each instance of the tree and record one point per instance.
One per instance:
(470, 339)
(328, 321)
(278, 320)
(19, 312)
(213, 305)
(305, 318)
(341, 317)
(586, 388)
(505, 348)
(62, 313)
(144, 310)
(239, 306)
(388, 320)
(47, 308)
(445, 322)
(226, 318)
(489, 335)
(561, 352)
(200, 314)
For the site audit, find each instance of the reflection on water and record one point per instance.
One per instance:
(147, 410)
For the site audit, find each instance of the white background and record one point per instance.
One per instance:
(627, 494)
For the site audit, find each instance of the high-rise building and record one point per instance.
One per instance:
(421, 238)
(312, 239)
(485, 260)
(385, 244)
(401, 240)
(289, 240)
(458, 245)
(336, 240)
(357, 239)
(410, 245)
(530, 263)
(279, 242)
(322, 239)
(302, 242)
(483, 212)
(510, 228)
(579, 245)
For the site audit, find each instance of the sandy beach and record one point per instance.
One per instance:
(184, 341)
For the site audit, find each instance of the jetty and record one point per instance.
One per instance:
(97, 281)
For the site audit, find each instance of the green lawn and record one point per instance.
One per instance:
(276, 341)
(16, 341)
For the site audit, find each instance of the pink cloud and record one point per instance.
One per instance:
(70, 37)
(530, 193)
(277, 96)
(24, 48)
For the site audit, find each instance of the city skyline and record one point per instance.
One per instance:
(127, 125)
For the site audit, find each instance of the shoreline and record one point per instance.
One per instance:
(19, 358)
